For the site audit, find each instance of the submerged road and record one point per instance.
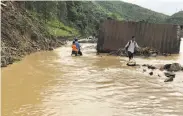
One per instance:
(56, 84)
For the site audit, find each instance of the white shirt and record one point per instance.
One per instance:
(132, 46)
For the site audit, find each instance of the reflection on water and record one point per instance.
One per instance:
(56, 84)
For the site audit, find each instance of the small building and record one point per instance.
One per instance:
(115, 34)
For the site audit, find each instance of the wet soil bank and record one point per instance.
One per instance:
(22, 34)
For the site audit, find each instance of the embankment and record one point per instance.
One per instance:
(22, 34)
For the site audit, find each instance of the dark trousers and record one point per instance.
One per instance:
(130, 55)
(74, 52)
(80, 53)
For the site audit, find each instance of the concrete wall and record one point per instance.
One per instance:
(115, 34)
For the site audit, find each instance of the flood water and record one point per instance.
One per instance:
(56, 84)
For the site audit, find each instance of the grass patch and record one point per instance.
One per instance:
(57, 28)
(58, 32)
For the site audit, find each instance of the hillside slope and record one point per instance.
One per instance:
(81, 15)
(176, 18)
(22, 34)
(86, 16)
(132, 12)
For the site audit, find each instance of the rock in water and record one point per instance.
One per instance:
(169, 79)
(151, 67)
(167, 66)
(151, 73)
(51, 48)
(175, 67)
(145, 65)
(144, 70)
(169, 74)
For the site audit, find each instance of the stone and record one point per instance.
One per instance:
(144, 65)
(172, 67)
(169, 74)
(169, 79)
(144, 70)
(50, 49)
(166, 66)
(151, 67)
(175, 67)
(151, 73)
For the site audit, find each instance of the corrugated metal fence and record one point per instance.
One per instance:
(115, 34)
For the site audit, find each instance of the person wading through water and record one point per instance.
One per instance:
(78, 47)
(74, 49)
(130, 47)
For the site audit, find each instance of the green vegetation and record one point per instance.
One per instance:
(132, 12)
(176, 18)
(178, 14)
(57, 28)
(71, 18)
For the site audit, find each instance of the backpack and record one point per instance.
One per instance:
(128, 45)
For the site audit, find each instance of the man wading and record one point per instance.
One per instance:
(78, 47)
(130, 47)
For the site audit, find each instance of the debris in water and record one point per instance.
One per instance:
(151, 73)
(144, 70)
(151, 67)
(169, 79)
(145, 65)
(170, 76)
(166, 54)
(172, 67)
(119, 52)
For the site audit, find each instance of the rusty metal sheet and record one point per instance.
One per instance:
(115, 34)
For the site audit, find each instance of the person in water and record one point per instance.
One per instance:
(78, 47)
(130, 47)
(74, 49)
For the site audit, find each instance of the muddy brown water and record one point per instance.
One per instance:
(56, 84)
